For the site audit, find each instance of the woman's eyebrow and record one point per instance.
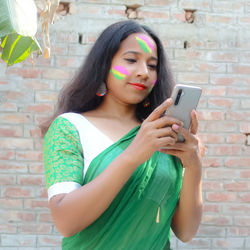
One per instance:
(136, 53)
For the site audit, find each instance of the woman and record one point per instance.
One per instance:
(112, 161)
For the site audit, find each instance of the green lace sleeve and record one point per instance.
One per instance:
(63, 156)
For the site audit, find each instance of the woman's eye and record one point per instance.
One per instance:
(131, 60)
(152, 66)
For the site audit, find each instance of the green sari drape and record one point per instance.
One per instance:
(140, 215)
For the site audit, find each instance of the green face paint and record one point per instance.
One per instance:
(145, 44)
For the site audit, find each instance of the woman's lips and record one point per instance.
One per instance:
(138, 86)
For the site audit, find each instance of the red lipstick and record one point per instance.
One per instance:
(138, 86)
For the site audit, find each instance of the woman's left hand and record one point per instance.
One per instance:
(188, 151)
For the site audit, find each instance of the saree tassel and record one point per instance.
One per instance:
(158, 215)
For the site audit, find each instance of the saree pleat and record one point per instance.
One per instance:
(130, 222)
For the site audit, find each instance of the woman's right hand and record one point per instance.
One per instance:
(155, 132)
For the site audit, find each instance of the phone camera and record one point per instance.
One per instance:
(178, 97)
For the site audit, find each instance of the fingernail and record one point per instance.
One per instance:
(195, 112)
(175, 126)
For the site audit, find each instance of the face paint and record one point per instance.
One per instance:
(145, 44)
(153, 84)
(119, 72)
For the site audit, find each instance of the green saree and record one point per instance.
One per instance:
(140, 215)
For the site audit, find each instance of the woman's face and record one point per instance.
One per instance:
(133, 70)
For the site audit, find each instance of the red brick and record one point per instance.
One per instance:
(240, 69)
(16, 95)
(238, 92)
(226, 150)
(12, 167)
(49, 240)
(38, 144)
(7, 179)
(29, 155)
(220, 174)
(35, 228)
(30, 180)
(242, 221)
(237, 162)
(7, 106)
(245, 127)
(210, 231)
(196, 78)
(221, 56)
(16, 143)
(245, 174)
(18, 240)
(245, 21)
(197, 5)
(222, 103)
(211, 138)
(46, 96)
(7, 155)
(68, 62)
(208, 115)
(36, 168)
(223, 79)
(212, 185)
(245, 197)
(163, 3)
(236, 138)
(210, 67)
(8, 228)
(214, 91)
(226, 6)
(67, 37)
(14, 118)
(37, 84)
(40, 108)
(236, 186)
(216, 220)
(17, 192)
(36, 204)
(236, 209)
(212, 162)
(178, 16)
(211, 208)
(239, 231)
(180, 66)
(79, 50)
(148, 14)
(24, 72)
(45, 217)
(232, 243)
(221, 126)
(221, 196)
(11, 203)
(196, 243)
(221, 19)
(57, 74)
(116, 12)
(34, 132)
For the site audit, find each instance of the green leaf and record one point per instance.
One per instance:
(18, 26)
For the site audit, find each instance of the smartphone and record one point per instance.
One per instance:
(185, 99)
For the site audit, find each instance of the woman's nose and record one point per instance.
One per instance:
(142, 70)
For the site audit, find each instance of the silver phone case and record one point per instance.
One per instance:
(188, 101)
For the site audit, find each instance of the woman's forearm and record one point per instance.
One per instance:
(188, 212)
(76, 210)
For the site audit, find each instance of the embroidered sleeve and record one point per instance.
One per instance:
(63, 156)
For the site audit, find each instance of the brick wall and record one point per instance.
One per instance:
(208, 44)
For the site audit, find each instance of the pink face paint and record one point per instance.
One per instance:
(119, 72)
(145, 44)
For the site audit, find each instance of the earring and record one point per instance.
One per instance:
(146, 103)
(102, 90)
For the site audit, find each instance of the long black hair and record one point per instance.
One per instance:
(80, 95)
